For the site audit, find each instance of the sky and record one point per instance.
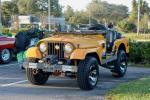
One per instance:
(81, 4)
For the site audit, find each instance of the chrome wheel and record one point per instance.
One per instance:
(123, 64)
(5, 55)
(93, 75)
(120, 65)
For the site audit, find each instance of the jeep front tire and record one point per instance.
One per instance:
(120, 65)
(36, 77)
(88, 73)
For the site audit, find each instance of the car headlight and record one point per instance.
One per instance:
(43, 47)
(68, 48)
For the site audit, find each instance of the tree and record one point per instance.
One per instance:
(104, 11)
(144, 9)
(56, 9)
(144, 22)
(8, 8)
(126, 26)
(133, 14)
(79, 17)
(39, 6)
(68, 13)
(27, 6)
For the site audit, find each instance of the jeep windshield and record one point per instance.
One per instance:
(84, 32)
(92, 29)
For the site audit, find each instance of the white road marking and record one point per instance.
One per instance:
(4, 85)
(8, 65)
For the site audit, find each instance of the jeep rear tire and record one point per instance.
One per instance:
(120, 65)
(88, 73)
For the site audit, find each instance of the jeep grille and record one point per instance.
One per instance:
(56, 49)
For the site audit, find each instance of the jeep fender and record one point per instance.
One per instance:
(34, 52)
(80, 54)
(119, 42)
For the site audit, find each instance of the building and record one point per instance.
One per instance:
(27, 21)
(55, 21)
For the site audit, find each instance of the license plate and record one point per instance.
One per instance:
(66, 68)
(69, 68)
(33, 65)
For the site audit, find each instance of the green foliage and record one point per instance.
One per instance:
(39, 6)
(7, 9)
(68, 13)
(133, 15)
(144, 8)
(100, 11)
(140, 52)
(97, 12)
(80, 17)
(144, 23)
(126, 26)
(5, 30)
(27, 7)
(144, 15)
(12, 32)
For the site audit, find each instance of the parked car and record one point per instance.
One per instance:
(6, 48)
(78, 55)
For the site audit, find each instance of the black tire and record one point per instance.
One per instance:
(36, 76)
(87, 70)
(5, 56)
(39, 78)
(120, 65)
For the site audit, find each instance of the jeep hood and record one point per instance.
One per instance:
(81, 41)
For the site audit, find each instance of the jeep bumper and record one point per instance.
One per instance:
(51, 68)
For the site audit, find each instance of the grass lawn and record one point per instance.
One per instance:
(141, 37)
(136, 90)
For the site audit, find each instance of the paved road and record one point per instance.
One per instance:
(14, 86)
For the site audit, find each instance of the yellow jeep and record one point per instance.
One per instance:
(77, 55)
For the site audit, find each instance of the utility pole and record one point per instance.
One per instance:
(0, 19)
(49, 15)
(89, 18)
(138, 23)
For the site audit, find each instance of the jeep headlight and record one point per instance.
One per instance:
(43, 47)
(68, 48)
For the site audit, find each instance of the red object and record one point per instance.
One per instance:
(6, 42)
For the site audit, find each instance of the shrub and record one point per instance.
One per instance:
(140, 52)
(126, 26)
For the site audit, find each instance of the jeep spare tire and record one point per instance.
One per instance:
(88, 73)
